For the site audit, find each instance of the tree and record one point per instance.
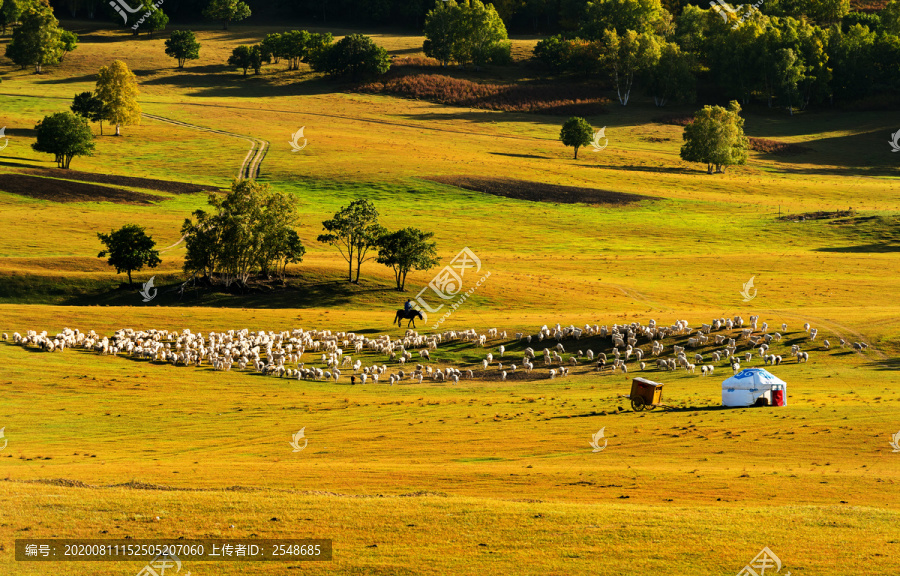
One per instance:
(621, 16)
(88, 106)
(242, 57)
(183, 46)
(117, 89)
(353, 230)
(827, 11)
(65, 136)
(471, 32)
(355, 55)
(37, 42)
(68, 41)
(273, 47)
(576, 132)
(672, 77)
(129, 249)
(716, 137)
(626, 56)
(151, 20)
(227, 11)
(789, 72)
(890, 18)
(405, 250)
(250, 230)
(441, 31)
(10, 12)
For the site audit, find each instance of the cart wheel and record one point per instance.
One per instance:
(651, 406)
(637, 404)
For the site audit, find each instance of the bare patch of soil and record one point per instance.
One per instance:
(538, 191)
(131, 181)
(69, 191)
(817, 216)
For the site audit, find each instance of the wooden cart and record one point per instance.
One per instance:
(645, 394)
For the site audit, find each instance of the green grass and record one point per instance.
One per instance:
(505, 464)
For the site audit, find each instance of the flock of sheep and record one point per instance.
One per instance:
(283, 353)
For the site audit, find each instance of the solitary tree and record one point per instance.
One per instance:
(117, 89)
(405, 250)
(576, 132)
(88, 106)
(182, 45)
(716, 137)
(227, 11)
(353, 230)
(65, 136)
(37, 41)
(129, 249)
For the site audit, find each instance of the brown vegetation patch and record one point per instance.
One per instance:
(674, 119)
(776, 147)
(538, 191)
(131, 181)
(557, 99)
(68, 191)
(817, 216)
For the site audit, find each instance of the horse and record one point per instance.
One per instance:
(410, 315)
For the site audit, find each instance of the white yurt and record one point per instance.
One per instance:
(750, 384)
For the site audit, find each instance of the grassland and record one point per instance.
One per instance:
(486, 475)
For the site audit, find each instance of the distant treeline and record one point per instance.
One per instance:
(520, 16)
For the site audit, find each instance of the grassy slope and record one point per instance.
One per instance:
(683, 256)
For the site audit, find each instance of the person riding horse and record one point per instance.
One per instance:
(408, 313)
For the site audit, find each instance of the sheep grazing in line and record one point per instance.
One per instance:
(484, 364)
(812, 333)
(735, 368)
(552, 373)
(698, 358)
(690, 368)
(843, 343)
(490, 358)
(503, 375)
(827, 344)
(748, 356)
(501, 349)
(643, 365)
(425, 354)
(802, 357)
(806, 327)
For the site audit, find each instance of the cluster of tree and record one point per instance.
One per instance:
(354, 230)
(38, 40)
(251, 232)
(471, 32)
(354, 56)
(789, 52)
(67, 134)
(114, 98)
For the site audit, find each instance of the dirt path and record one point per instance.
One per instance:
(252, 161)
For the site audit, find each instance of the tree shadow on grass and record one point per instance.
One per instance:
(879, 248)
(885, 364)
